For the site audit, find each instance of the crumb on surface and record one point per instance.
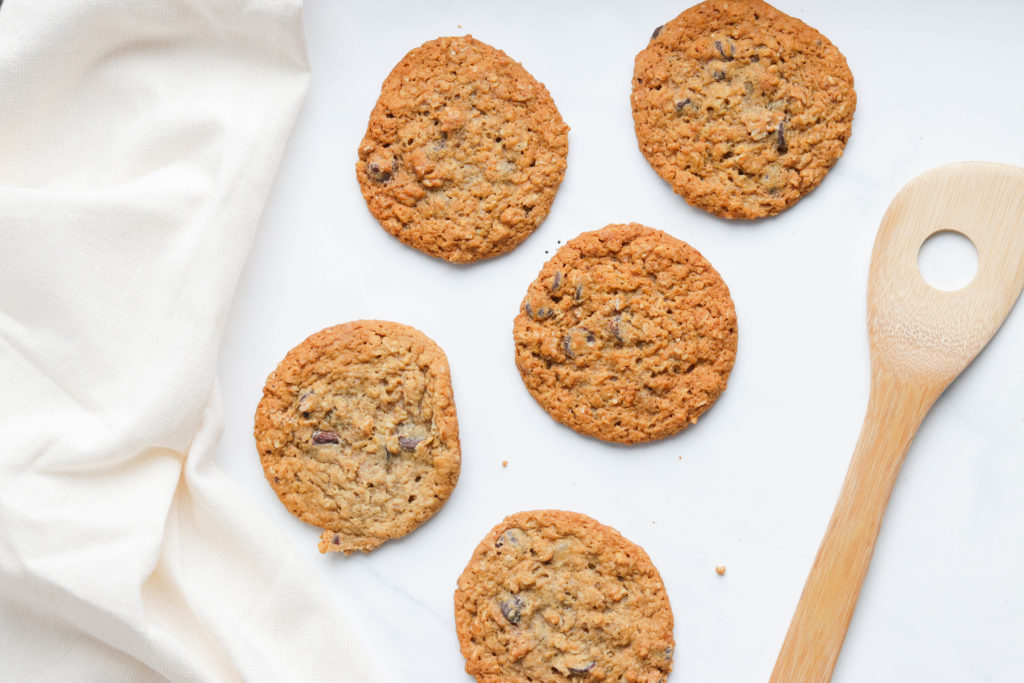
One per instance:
(504, 463)
(720, 570)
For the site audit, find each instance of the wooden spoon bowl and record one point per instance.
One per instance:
(921, 338)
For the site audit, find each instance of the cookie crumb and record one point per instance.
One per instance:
(504, 463)
(720, 570)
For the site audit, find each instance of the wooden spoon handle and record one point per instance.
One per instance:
(816, 633)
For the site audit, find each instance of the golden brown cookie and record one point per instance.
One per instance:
(463, 153)
(627, 334)
(357, 432)
(741, 108)
(554, 596)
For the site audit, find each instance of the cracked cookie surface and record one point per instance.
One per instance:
(627, 334)
(357, 432)
(464, 151)
(552, 596)
(741, 108)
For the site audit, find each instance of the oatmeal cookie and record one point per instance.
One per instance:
(464, 151)
(357, 432)
(627, 334)
(741, 108)
(553, 596)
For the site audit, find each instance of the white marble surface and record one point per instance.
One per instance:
(753, 484)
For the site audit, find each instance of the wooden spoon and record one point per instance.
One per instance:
(921, 339)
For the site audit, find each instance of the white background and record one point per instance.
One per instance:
(753, 484)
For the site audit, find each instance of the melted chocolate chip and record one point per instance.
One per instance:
(657, 31)
(578, 296)
(582, 669)
(557, 283)
(613, 327)
(325, 437)
(539, 314)
(780, 144)
(511, 536)
(567, 345)
(680, 104)
(380, 175)
(718, 75)
(512, 609)
(408, 442)
(336, 539)
(721, 50)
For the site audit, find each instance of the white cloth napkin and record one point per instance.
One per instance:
(138, 141)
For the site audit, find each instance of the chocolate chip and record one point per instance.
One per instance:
(539, 314)
(513, 609)
(567, 341)
(657, 31)
(336, 539)
(680, 104)
(613, 327)
(585, 669)
(512, 536)
(718, 75)
(557, 283)
(780, 144)
(325, 437)
(725, 57)
(380, 175)
(755, 58)
(579, 293)
(408, 442)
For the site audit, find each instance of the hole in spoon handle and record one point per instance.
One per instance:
(822, 617)
(948, 260)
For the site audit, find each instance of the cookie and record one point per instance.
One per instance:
(552, 595)
(627, 334)
(464, 151)
(741, 108)
(357, 432)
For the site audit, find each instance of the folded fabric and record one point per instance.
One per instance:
(138, 141)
